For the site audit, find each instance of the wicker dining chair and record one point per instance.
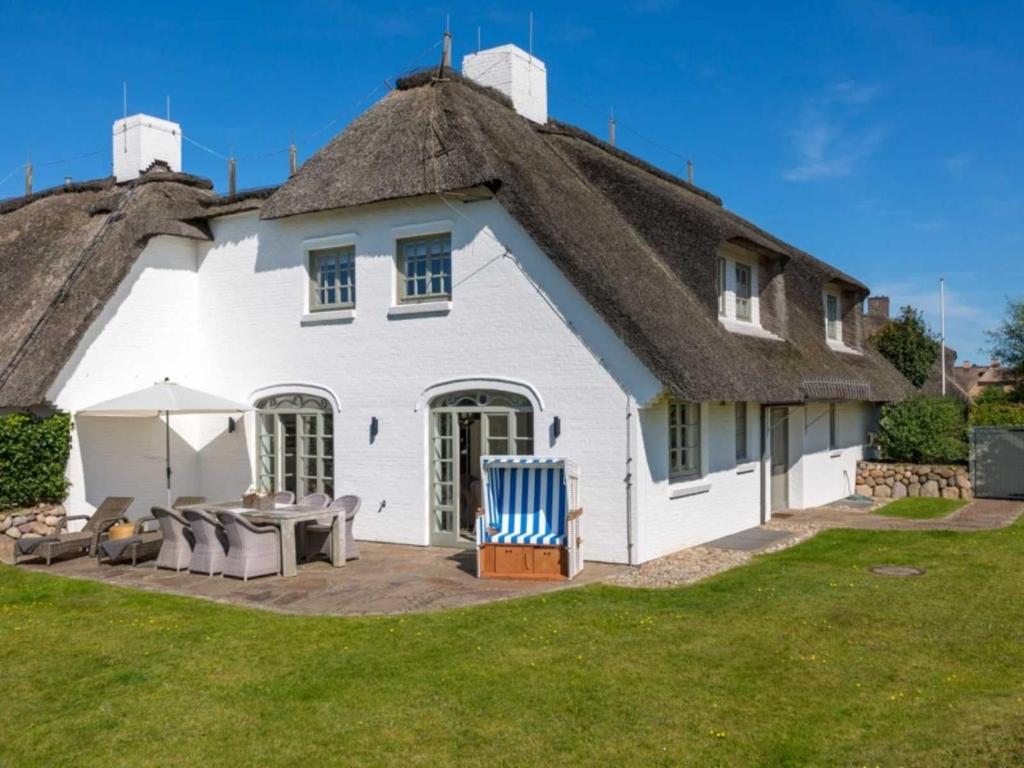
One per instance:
(253, 550)
(178, 539)
(315, 500)
(211, 541)
(316, 536)
(284, 497)
(114, 509)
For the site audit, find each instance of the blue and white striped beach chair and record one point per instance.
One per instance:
(529, 526)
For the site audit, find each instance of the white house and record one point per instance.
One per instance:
(454, 274)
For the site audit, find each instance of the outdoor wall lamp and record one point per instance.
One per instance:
(374, 428)
(231, 424)
(556, 427)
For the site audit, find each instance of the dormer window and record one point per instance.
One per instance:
(833, 323)
(738, 291)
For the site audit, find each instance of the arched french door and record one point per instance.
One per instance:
(295, 444)
(463, 427)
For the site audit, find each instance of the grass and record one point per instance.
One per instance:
(803, 657)
(920, 508)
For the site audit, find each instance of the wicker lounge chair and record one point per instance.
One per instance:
(144, 542)
(253, 550)
(211, 542)
(112, 510)
(316, 537)
(284, 497)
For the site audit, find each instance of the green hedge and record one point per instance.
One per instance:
(33, 459)
(924, 430)
(997, 414)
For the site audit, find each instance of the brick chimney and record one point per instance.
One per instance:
(878, 306)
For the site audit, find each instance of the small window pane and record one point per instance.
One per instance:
(721, 286)
(741, 432)
(684, 439)
(832, 316)
(833, 434)
(743, 292)
(425, 266)
(333, 274)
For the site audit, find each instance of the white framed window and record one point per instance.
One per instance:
(742, 449)
(833, 323)
(683, 440)
(833, 428)
(738, 299)
(424, 268)
(332, 278)
(723, 266)
(743, 292)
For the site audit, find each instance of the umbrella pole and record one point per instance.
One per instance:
(167, 452)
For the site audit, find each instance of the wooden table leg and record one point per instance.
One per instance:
(288, 565)
(338, 541)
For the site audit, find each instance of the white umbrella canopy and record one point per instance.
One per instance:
(165, 397)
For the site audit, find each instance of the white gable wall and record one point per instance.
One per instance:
(145, 332)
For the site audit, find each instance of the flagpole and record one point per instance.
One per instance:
(942, 324)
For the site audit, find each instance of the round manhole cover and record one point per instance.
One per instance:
(897, 570)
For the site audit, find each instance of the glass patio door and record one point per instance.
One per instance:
(295, 443)
(505, 428)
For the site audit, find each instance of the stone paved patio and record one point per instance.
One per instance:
(388, 578)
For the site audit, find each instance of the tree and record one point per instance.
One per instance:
(1008, 344)
(909, 345)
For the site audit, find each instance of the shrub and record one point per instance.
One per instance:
(996, 413)
(924, 430)
(33, 459)
(909, 345)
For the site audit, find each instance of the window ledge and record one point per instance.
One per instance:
(747, 329)
(329, 316)
(688, 488)
(746, 467)
(838, 346)
(420, 308)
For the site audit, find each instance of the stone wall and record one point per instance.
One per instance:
(896, 481)
(40, 520)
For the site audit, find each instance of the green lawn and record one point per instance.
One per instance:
(920, 508)
(802, 658)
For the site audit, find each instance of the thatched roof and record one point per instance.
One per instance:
(638, 243)
(63, 252)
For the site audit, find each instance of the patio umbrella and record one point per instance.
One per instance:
(165, 398)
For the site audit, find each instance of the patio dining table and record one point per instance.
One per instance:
(286, 517)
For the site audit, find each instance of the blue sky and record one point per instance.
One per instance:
(885, 138)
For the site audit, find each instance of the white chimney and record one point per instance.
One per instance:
(141, 140)
(514, 72)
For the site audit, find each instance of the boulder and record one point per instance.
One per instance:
(890, 481)
(899, 491)
(13, 532)
(930, 489)
(40, 529)
(945, 471)
(963, 481)
(19, 520)
(862, 490)
(914, 489)
(950, 492)
(52, 520)
(883, 491)
(5, 524)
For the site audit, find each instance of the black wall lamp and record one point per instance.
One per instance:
(556, 427)
(231, 424)
(374, 428)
